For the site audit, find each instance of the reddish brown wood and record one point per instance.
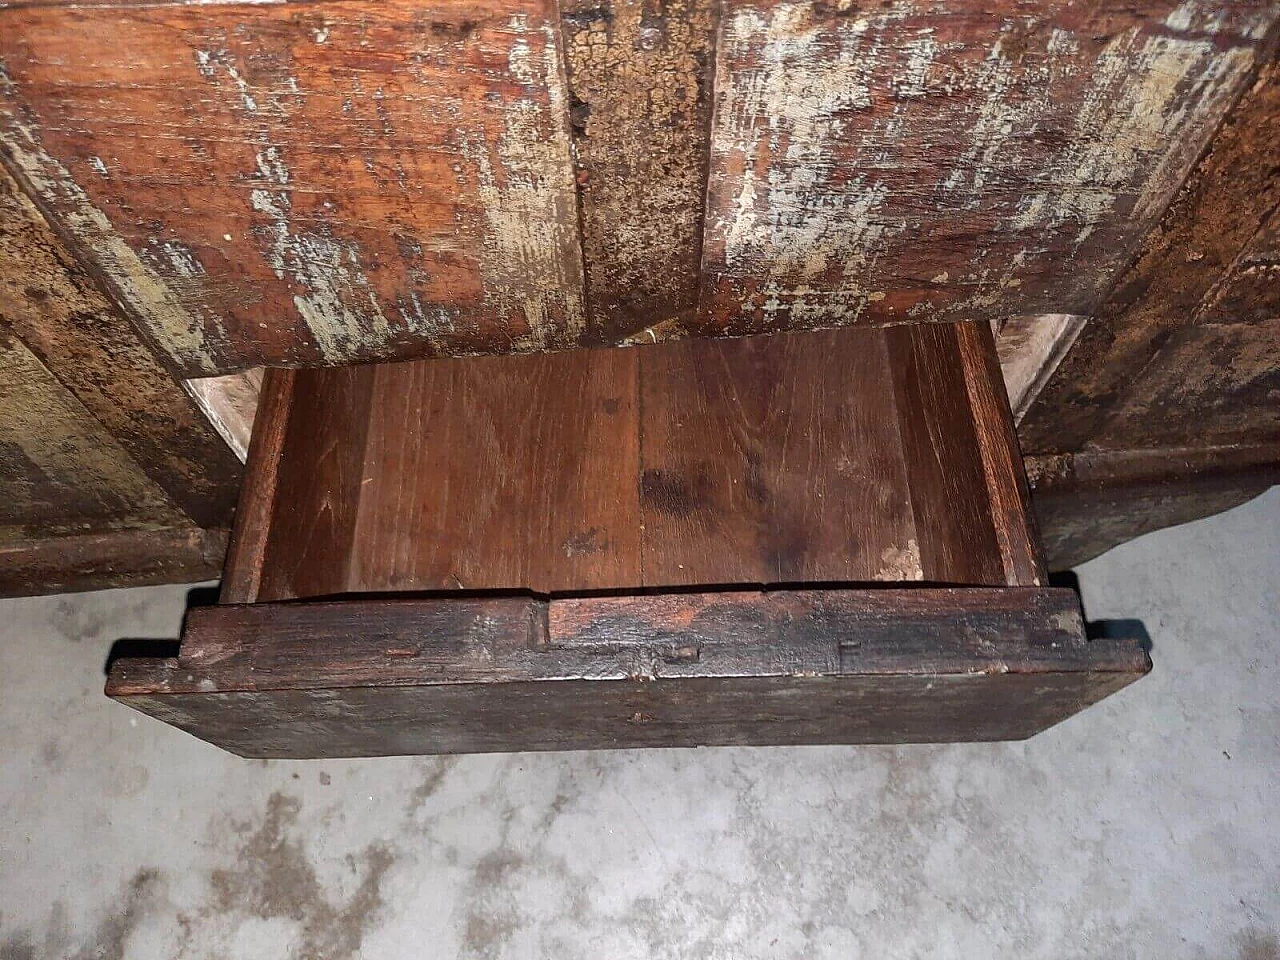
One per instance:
(769, 460)
(949, 495)
(242, 578)
(351, 181)
(381, 677)
(318, 485)
(499, 473)
(1008, 498)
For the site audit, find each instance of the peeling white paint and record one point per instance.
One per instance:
(532, 264)
(147, 297)
(1144, 94)
(98, 165)
(804, 213)
(336, 302)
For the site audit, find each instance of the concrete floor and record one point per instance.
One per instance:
(1146, 827)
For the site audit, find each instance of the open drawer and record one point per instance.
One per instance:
(806, 538)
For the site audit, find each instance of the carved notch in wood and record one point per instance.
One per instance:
(804, 538)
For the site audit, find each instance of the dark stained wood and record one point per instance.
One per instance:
(1224, 207)
(50, 304)
(242, 578)
(773, 459)
(468, 675)
(1088, 502)
(1007, 495)
(501, 473)
(316, 495)
(101, 561)
(761, 460)
(949, 498)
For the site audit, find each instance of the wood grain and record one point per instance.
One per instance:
(246, 555)
(839, 456)
(773, 460)
(501, 473)
(949, 495)
(1209, 384)
(317, 493)
(52, 305)
(1007, 495)
(270, 185)
(392, 677)
(341, 182)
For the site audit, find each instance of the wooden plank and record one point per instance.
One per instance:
(494, 473)
(49, 301)
(1210, 384)
(101, 561)
(705, 462)
(925, 162)
(945, 474)
(1007, 495)
(389, 677)
(60, 472)
(1088, 502)
(271, 185)
(246, 555)
(1221, 210)
(317, 485)
(766, 460)
(773, 460)
(386, 180)
(640, 90)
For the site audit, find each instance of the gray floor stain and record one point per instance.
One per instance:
(274, 879)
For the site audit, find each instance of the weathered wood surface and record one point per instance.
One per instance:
(1088, 502)
(60, 472)
(307, 184)
(99, 561)
(640, 98)
(1199, 267)
(383, 677)
(48, 301)
(343, 181)
(794, 458)
(1207, 385)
